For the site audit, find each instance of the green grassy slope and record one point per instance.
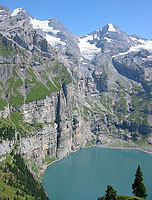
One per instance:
(16, 181)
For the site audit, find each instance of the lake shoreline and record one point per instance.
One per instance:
(124, 148)
(104, 146)
(124, 145)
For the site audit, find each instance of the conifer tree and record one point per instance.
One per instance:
(110, 193)
(138, 187)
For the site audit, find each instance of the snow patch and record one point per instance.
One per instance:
(138, 40)
(111, 28)
(84, 63)
(89, 37)
(142, 44)
(88, 50)
(1, 10)
(42, 25)
(96, 37)
(16, 11)
(146, 43)
(53, 40)
(108, 39)
(46, 29)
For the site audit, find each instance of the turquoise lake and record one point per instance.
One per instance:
(85, 174)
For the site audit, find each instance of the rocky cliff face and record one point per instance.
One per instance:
(59, 92)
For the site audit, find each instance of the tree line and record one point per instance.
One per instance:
(7, 133)
(138, 188)
(23, 180)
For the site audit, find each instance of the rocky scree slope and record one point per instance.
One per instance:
(60, 92)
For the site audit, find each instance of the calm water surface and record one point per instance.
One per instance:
(85, 174)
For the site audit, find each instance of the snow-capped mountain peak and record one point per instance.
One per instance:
(17, 11)
(109, 40)
(111, 28)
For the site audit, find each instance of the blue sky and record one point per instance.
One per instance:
(84, 16)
